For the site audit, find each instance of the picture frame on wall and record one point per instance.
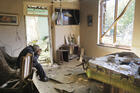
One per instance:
(9, 19)
(89, 20)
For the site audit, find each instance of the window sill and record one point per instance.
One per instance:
(115, 46)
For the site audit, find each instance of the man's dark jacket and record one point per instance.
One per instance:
(29, 49)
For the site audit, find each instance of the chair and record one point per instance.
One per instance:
(26, 66)
(20, 85)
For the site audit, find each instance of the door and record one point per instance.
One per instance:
(37, 32)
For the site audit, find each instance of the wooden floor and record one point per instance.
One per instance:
(67, 78)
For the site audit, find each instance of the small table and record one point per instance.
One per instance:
(63, 55)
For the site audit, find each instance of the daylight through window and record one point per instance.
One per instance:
(116, 22)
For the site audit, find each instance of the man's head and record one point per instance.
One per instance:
(36, 48)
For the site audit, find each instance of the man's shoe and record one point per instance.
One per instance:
(45, 79)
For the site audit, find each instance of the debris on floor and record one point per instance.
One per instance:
(67, 78)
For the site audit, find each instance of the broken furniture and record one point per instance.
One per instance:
(11, 61)
(109, 69)
(6, 70)
(63, 55)
(67, 52)
(26, 66)
(24, 84)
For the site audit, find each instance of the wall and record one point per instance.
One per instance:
(136, 34)
(13, 37)
(62, 31)
(65, 30)
(88, 35)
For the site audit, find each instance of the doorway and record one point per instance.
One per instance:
(37, 32)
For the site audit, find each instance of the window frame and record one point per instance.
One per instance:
(101, 21)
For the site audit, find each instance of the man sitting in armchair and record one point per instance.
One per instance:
(35, 50)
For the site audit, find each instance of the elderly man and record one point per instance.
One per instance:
(35, 50)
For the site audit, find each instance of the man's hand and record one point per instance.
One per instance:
(39, 52)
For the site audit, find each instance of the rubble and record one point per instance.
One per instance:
(73, 80)
(124, 62)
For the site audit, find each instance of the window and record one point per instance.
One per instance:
(116, 22)
(37, 10)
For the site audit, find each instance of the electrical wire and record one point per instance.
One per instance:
(75, 18)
